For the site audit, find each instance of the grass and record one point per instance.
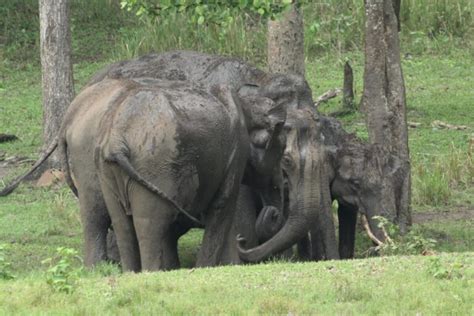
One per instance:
(438, 65)
(393, 285)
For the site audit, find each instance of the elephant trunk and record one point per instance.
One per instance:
(293, 230)
(304, 206)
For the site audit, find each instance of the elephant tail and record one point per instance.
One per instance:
(67, 169)
(122, 160)
(12, 186)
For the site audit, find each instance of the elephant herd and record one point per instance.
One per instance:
(155, 146)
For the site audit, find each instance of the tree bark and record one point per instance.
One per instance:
(285, 47)
(348, 89)
(397, 4)
(56, 66)
(384, 103)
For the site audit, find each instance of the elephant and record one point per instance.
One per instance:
(81, 124)
(256, 223)
(209, 70)
(306, 169)
(355, 182)
(168, 154)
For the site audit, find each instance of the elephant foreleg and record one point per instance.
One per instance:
(347, 227)
(218, 224)
(323, 238)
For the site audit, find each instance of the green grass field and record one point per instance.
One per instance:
(391, 285)
(438, 71)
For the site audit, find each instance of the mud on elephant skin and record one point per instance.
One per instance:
(202, 69)
(209, 70)
(306, 168)
(355, 180)
(256, 223)
(188, 154)
(353, 176)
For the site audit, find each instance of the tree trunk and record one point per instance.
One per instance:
(57, 79)
(348, 89)
(397, 4)
(384, 104)
(285, 47)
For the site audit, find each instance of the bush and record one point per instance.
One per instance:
(63, 271)
(412, 243)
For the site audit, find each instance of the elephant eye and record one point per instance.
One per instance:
(287, 162)
(355, 182)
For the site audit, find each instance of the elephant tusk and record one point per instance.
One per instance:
(371, 235)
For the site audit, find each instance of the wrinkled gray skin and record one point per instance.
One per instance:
(306, 168)
(356, 185)
(288, 91)
(190, 150)
(180, 149)
(355, 178)
(269, 221)
(256, 230)
(355, 175)
(285, 91)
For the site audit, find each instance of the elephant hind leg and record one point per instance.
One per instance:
(153, 219)
(124, 231)
(95, 224)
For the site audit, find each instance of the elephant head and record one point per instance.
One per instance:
(265, 105)
(305, 168)
(281, 85)
(360, 172)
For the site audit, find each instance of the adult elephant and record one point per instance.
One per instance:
(255, 86)
(166, 146)
(355, 175)
(167, 154)
(357, 186)
(307, 171)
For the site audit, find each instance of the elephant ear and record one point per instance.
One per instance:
(248, 90)
(276, 116)
(265, 120)
(291, 88)
(264, 116)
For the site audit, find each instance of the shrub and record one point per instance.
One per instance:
(63, 271)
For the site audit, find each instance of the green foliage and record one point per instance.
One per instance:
(437, 177)
(5, 265)
(220, 12)
(412, 243)
(427, 25)
(224, 27)
(367, 287)
(445, 270)
(244, 36)
(63, 271)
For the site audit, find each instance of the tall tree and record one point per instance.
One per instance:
(384, 103)
(57, 78)
(285, 42)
